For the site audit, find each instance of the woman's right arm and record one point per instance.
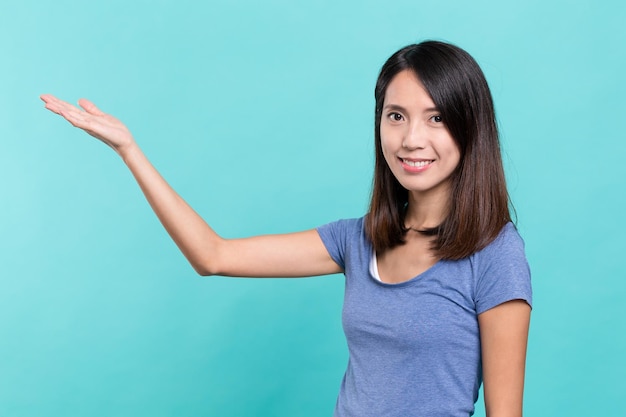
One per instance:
(288, 255)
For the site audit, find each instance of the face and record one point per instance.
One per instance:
(417, 146)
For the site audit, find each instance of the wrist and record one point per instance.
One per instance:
(129, 152)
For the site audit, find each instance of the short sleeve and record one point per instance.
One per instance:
(336, 236)
(503, 271)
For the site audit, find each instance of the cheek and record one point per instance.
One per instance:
(451, 150)
(388, 153)
(387, 142)
(456, 155)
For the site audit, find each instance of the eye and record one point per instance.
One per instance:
(437, 118)
(395, 117)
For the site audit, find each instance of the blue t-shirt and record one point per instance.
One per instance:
(414, 346)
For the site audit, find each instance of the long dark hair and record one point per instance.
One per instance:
(478, 202)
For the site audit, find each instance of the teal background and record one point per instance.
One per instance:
(260, 115)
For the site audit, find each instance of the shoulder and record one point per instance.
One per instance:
(508, 242)
(342, 237)
(342, 227)
(502, 269)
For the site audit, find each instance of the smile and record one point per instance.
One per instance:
(417, 164)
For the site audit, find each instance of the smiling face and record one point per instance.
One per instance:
(416, 144)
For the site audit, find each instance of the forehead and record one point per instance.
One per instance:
(406, 90)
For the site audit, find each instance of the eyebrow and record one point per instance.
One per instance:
(402, 109)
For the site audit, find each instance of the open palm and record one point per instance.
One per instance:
(93, 121)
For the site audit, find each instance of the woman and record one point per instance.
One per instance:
(437, 286)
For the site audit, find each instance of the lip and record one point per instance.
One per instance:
(415, 165)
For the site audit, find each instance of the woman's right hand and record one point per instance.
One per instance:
(92, 120)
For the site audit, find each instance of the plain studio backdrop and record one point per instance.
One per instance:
(261, 115)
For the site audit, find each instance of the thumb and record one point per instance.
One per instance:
(90, 107)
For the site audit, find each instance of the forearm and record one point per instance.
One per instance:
(193, 236)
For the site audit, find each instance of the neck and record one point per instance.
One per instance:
(425, 211)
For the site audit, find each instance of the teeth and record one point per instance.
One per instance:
(416, 163)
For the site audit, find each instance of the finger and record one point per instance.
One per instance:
(69, 112)
(51, 102)
(90, 107)
(50, 99)
(55, 105)
(74, 116)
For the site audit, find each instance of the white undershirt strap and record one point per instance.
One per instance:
(374, 267)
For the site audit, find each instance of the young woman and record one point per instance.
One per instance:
(438, 291)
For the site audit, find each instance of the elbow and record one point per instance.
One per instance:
(208, 265)
(209, 262)
(203, 272)
(204, 269)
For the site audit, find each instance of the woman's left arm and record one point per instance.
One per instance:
(503, 338)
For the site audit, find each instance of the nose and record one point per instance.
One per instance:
(415, 137)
